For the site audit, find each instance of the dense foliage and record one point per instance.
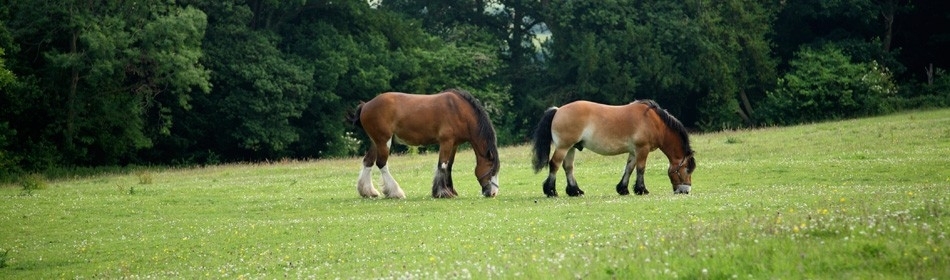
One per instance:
(86, 83)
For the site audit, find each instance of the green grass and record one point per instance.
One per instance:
(855, 199)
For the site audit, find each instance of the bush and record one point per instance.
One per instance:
(825, 84)
(926, 94)
(32, 183)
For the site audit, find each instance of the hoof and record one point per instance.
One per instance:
(548, 187)
(395, 195)
(574, 191)
(444, 193)
(622, 189)
(641, 191)
(369, 192)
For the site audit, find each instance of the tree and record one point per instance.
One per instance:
(90, 70)
(699, 59)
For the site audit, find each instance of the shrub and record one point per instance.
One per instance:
(934, 93)
(144, 177)
(825, 84)
(32, 182)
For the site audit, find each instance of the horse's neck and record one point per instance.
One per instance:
(672, 146)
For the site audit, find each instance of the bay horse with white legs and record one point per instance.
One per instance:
(636, 129)
(449, 119)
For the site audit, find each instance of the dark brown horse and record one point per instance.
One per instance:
(449, 119)
(636, 129)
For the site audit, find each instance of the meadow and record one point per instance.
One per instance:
(852, 199)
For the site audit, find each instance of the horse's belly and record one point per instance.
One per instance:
(607, 149)
(414, 140)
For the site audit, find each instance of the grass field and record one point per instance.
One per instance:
(854, 199)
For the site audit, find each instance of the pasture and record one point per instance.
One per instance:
(853, 199)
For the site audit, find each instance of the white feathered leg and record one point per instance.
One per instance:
(390, 188)
(364, 185)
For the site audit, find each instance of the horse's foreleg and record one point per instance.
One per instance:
(442, 182)
(572, 188)
(640, 188)
(364, 185)
(627, 171)
(390, 187)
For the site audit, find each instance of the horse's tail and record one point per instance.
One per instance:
(354, 117)
(542, 140)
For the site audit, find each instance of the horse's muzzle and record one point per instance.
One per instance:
(491, 190)
(684, 189)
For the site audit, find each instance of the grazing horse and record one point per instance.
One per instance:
(636, 128)
(449, 119)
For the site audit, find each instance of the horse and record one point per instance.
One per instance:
(636, 128)
(450, 118)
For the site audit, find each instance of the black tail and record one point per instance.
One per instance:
(542, 140)
(354, 118)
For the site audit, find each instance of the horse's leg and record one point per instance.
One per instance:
(364, 185)
(448, 173)
(553, 165)
(625, 179)
(572, 188)
(640, 188)
(390, 187)
(442, 182)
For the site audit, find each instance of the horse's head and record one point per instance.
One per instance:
(490, 187)
(681, 175)
(486, 170)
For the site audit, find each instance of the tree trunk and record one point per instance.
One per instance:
(747, 106)
(744, 117)
(890, 8)
(71, 102)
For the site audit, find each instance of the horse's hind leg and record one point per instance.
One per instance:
(572, 188)
(364, 185)
(390, 187)
(627, 170)
(442, 186)
(553, 165)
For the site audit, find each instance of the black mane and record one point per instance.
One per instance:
(485, 129)
(674, 124)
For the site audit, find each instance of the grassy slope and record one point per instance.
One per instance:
(861, 198)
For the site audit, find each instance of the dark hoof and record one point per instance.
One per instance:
(622, 189)
(548, 188)
(641, 191)
(575, 191)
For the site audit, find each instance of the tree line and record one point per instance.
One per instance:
(93, 83)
